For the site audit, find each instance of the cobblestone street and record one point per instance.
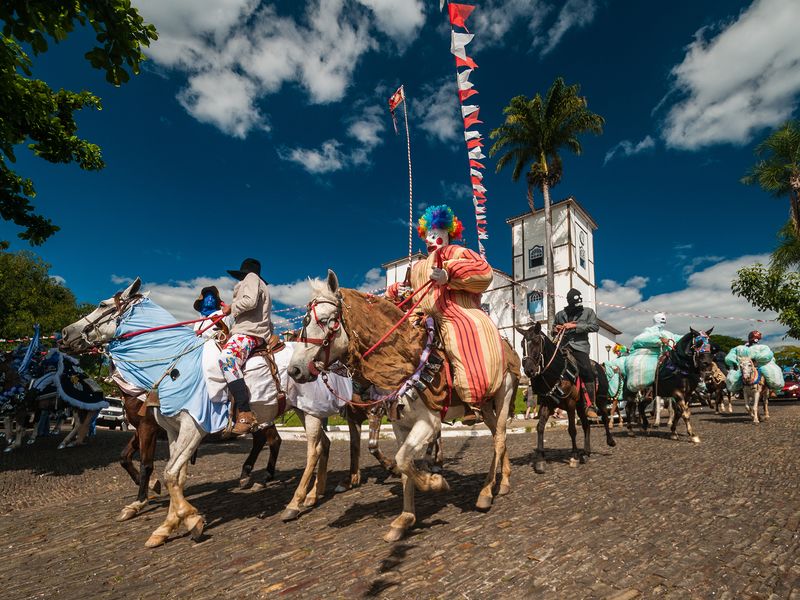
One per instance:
(649, 518)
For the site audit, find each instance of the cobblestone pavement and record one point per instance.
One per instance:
(649, 518)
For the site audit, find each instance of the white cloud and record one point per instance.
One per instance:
(332, 155)
(628, 148)
(58, 279)
(574, 13)
(373, 280)
(438, 111)
(494, 19)
(235, 53)
(708, 292)
(742, 80)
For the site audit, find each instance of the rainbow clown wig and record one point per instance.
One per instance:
(440, 217)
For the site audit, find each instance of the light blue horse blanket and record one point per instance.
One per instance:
(143, 359)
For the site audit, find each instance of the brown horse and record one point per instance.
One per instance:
(553, 374)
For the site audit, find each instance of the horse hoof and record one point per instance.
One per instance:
(245, 483)
(439, 484)
(436, 469)
(504, 489)
(269, 477)
(631, 434)
(259, 485)
(61, 446)
(9, 449)
(195, 524)
(584, 459)
(695, 439)
(31, 442)
(127, 514)
(484, 503)
(154, 541)
(394, 534)
(674, 436)
(610, 441)
(538, 466)
(573, 462)
(290, 514)
(339, 489)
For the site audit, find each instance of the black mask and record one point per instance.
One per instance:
(574, 302)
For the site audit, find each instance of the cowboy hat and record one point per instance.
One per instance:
(249, 265)
(212, 289)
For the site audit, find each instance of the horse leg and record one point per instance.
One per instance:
(631, 406)
(313, 429)
(354, 426)
(755, 403)
(323, 452)
(274, 443)
(85, 424)
(438, 455)
(538, 459)
(765, 392)
(246, 476)
(495, 415)
(185, 442)
(730, 402)
(583, 457)
(126, 461)
(658, 403)
(682, 404)
(643, 416)
(605, 419)
(374, 447)
(146, 434)
(573, 432)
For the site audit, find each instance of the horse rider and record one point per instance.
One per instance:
(753, 338)
(471, 340)
(577, 322)
(210, 305)
(251, 309)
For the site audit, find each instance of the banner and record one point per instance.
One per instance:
(470, 113)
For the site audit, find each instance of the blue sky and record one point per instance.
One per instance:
(261, 129)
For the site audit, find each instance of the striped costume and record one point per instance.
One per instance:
(471, 340)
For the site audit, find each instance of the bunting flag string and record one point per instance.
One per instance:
(470, 113)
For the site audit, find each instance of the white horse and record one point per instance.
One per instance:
(340, 326)
(754, 388)
(187, 423)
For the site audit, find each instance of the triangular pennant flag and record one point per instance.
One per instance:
(476, 164)
(480, 210)
(472, 120)
(471, 135)
(483, 236)
(463, 79)
(459, 13)
(466, 61)
(457, 43)
(479, 194)
(476, 173)
(476, 200)
(476, 154)
(474, 181)
(475, 143)
(478, 187)
(469, 109)
(464, 94)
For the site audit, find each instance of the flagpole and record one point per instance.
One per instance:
(410, 181)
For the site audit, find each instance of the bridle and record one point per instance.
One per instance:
(120, 308)
(700, 345)
(542, 368)
(332, 327)
(756, 375)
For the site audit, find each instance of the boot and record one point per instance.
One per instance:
(245, 420)
(590, 407)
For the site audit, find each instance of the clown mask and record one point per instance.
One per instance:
(436, 239)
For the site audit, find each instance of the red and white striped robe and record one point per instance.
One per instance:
(471, 339)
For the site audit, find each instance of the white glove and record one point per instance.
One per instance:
(439, 276)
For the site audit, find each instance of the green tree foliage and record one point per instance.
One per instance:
(726, 342)
(29, 295)
(535, 131)
(771, 288)
(787, 356)
(32, 113)
(778, 168)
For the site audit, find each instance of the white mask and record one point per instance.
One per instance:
(660, 319)
(436, 239)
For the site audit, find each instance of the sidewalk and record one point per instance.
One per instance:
(341, 432)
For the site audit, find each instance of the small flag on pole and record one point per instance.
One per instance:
(397, 98)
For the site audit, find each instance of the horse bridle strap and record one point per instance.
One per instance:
(333, 327)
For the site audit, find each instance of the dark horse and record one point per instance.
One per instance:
(553, 375)
(678, 372)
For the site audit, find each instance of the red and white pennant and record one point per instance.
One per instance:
(470, 113)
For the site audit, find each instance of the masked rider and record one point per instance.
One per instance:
(251, 309)
(577, 322)
(471, 339)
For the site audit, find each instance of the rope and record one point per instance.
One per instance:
(400, 322)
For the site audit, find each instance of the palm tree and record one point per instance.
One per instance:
(778, 171)
(787, 255)
(534, 132)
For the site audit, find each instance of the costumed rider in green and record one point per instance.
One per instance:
(577, 322)
(762, 357)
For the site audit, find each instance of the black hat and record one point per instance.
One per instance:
(212, 289)
(249, 265)
(572, 297)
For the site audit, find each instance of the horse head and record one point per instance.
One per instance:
(532, 349)
(99, 326)
(748, 370)
(697, 345)
(322, 340)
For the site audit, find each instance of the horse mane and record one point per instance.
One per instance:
(367, 318)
